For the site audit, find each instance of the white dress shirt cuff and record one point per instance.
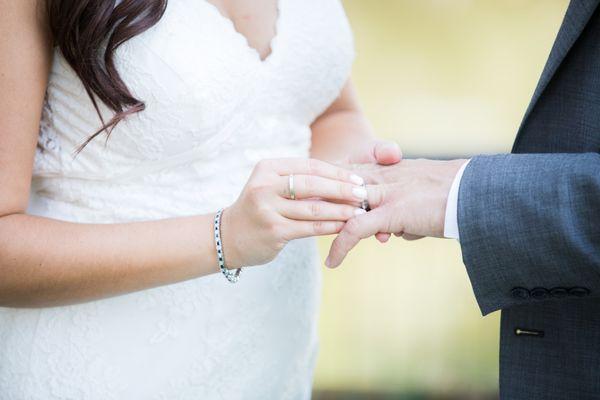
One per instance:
(451, 220)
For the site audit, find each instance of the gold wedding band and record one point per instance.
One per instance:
(291, 188)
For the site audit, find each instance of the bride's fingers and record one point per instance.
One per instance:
(301, 166)
(304, 229)
(307, 186)
(316, 210)
(355, 203)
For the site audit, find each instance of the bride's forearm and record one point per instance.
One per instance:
(46, 262)
(342, 129)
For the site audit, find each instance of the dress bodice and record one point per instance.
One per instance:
(213, 109)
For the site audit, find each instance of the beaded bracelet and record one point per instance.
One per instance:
(232, 276)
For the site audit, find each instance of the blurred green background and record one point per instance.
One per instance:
(444, 78)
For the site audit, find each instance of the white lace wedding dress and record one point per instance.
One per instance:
(214, 109)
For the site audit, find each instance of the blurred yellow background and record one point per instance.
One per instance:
(444, 78)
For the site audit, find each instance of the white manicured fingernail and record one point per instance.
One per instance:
(359, 211)
(357, 179)
(359, 192)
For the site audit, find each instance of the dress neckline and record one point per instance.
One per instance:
(234, 30)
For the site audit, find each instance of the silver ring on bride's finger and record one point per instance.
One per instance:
(291, 187)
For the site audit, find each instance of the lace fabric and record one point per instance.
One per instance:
(213, 109)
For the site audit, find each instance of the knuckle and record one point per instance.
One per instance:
(262, 166)
(271, 227)
(313, 166)
(264, 210)
(382, 194)
(377, 195)
(388, 225)
(318, 227)
(255, 193)
(339, 245)
(254, 188)
(308, 184)
(251, 192)
(352, 227)
(348, 212)
(315, 210)
(343, 190)
(274, 230)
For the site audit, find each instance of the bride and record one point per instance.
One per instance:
(125, 126)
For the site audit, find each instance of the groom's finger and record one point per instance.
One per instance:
(382, 152)
(354, 231)
(383, 237)
(387, 153)
(375, 195)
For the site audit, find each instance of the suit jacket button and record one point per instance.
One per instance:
(559, 292)
(520, 293)
(579, 291)
(539, 293)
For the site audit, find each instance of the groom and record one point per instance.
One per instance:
(528, 222)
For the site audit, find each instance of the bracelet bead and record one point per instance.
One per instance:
(232, 276)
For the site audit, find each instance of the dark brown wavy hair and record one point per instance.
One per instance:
(88, 32)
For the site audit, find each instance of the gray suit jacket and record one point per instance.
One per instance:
(530, 226)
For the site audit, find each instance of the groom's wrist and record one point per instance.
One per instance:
(451, 230)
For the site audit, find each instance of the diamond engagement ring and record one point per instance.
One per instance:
(365, 203)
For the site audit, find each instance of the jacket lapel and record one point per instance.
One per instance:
(576, 18)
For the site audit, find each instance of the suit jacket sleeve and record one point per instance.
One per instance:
(530, 227)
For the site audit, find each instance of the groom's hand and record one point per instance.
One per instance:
(411, 200)
(377, 152)
(382, 152)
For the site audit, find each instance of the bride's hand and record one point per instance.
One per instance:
(264, 218)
